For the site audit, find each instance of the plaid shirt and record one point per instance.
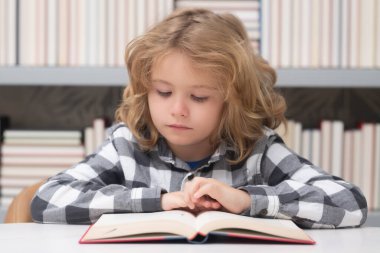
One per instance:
(120, 177)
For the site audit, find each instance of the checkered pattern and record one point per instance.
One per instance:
(119, 177)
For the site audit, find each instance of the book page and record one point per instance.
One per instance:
(127, 224)
(215, 220)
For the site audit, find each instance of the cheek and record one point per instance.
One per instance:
(212, 114)
(152, 106)
(218, 113)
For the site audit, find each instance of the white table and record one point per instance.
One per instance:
(40, 238)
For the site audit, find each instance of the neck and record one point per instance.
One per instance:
(191, 153)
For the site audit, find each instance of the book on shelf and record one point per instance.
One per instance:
(247, 11)
(376, 192)
(95, 135)
(320, 33)
(178, 224)
(348, 155)
(368, 159)
(54, 142)
(352, 154)
(55, 134)
(285, 28)
(306, 144)
(357, 158)
(8, 33)
(30, 171)
(367, 33)
(41, 160)
(326, 137)
(11, 186)
(75, 33)
(337, 130)
(38, 150)
(28, 156)
(291, 135)
(316, 147)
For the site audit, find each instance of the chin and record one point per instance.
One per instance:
(179, 142)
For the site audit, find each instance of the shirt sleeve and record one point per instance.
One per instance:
(95, 186)
(296, 189)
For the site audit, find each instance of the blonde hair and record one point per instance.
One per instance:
(218, 43)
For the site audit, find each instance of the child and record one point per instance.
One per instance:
(196, 133)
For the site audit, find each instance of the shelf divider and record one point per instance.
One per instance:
(117, 76)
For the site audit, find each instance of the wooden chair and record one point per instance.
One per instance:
(19, 209)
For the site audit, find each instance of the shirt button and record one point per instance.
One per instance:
(263, 212)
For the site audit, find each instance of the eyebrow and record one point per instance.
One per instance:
(193, 86)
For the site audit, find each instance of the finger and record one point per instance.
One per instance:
(212, 188)
(212, 203)
(203, 191)
(216, 205)
(187, 195)
(181, 203)
(187, 199)
(207, 203)
(192, 187)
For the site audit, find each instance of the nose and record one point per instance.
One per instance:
(179, 108)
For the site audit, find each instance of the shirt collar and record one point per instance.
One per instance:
(166, 155)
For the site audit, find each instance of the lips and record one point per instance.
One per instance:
(179, 127)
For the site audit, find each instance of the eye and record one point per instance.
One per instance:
(199, 99)
(164, 93)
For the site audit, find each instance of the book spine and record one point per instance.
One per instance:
(315, 33)
(345, 33)
(326, 145)
(336, 40)
(348, 154)
(367, 31)
(73, 33)
(367, 178)
(354, 38)
(132, 10)
(305, 47)
(121, 32)
(337, 147)
(3, 27)
(316, 147)
(325, 28)
(10, 38)
(102, 31)
(376, 190)
(111, 33)
(286, 33)
(63, 33)
(52, 33)
(275, 34)
(296, 37)
(377, 38)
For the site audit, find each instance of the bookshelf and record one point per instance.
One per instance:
(117, 76)
(328, 78)
(73, 76)
(61, 89)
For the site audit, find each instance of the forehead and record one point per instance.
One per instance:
(177, 67)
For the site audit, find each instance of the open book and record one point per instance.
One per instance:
(137, 227)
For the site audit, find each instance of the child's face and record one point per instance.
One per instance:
(185, 105)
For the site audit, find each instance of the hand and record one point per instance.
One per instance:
(173, 200)
(211, 193)
(176, 200)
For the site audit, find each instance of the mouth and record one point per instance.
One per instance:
(179, 127)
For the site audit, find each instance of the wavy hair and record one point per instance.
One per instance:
(218, 43)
